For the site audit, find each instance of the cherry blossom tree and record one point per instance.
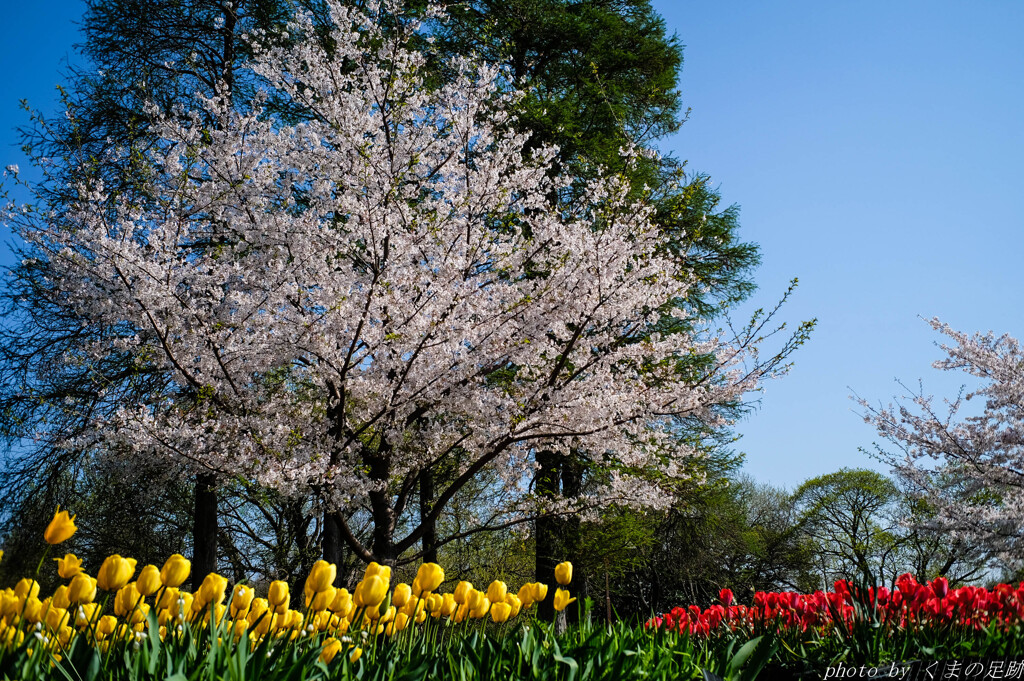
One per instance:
(384, 286)
(968, 469)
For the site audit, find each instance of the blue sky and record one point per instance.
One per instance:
(875, 149)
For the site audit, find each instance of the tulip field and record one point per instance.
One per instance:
(133, 624)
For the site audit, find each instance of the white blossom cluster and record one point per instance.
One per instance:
(969, 468)
(340, 302)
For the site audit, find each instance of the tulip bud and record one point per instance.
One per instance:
(60, 528)
(115, 572)
(725, 595)
(356, 654)
(563, 573)
(175, 571)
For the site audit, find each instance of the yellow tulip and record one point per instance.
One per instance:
(115, 572)
(371, 592)
(32, 609)
(482, 606)
(84, 614)
(434, 603)
(342, 601)
(526, 595)
(105, 627)
(321, 576)
(60, 528)
(182, 607)
(461, 591)
(26, 588)
(258, 609)
(500, 612)
(140, 613)
(430, 576)
(332, 647)
(167, 598)
(497, 591)
(126, 599)
(212, 589)
(322, 599)
(82, 589)
(414, 607)
(563, 573)
(292, 619)
(402, 595)
(278, 596)
(448, 605)
(55, 618)
(322, 620)
(539, 591)
(241, 599)
(60, 597)
(356, 654)
(68, 566)
(382, 571)
(562, 599)
(175, 571)
(149, 581)
(515, 604)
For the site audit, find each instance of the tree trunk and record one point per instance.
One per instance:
(204, 529)
(331, 543)
(429, 540)
(572, 541)
(548, 544)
